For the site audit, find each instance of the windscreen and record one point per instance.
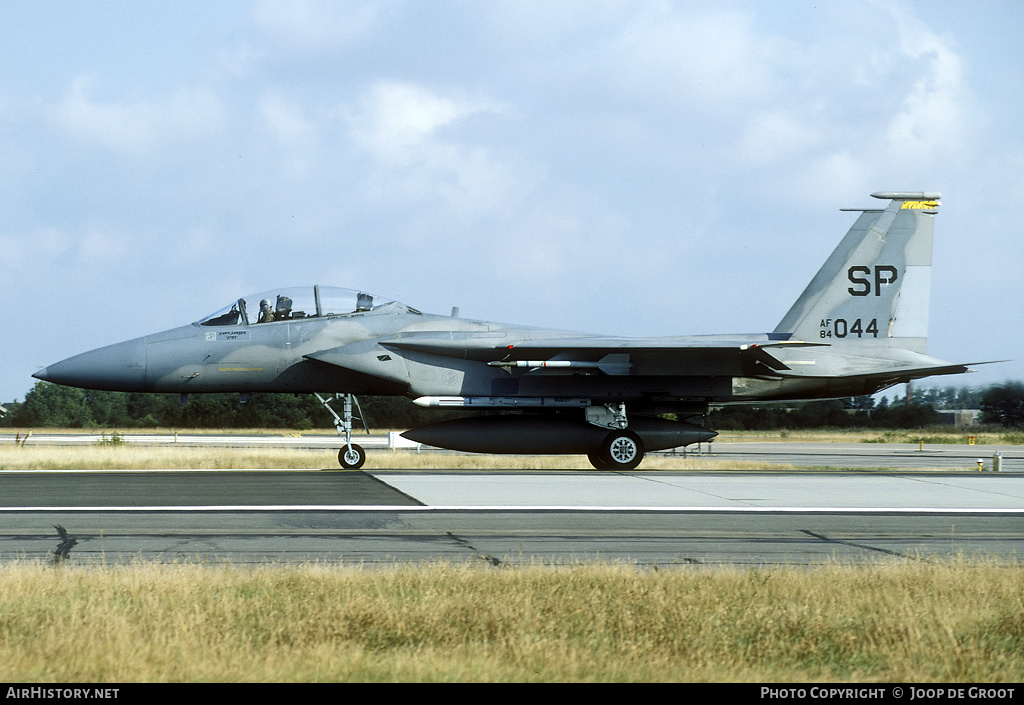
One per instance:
(294, 304)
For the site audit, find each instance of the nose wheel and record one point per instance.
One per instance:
(351, 456)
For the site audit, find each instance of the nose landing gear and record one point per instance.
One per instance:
(351, 456)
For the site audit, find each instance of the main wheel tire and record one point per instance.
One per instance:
(352, 457)
(622, 450)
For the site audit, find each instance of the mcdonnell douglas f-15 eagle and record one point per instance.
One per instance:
(859, 327)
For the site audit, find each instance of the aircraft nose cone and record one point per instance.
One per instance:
(118, 368)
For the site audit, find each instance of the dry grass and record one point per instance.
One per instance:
(908, 621)
(129, 457)
(940, 435)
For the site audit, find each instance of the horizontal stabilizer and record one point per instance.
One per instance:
(897, 375)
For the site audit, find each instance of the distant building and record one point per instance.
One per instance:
(960, 418)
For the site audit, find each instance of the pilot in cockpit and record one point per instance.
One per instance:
(266, 314)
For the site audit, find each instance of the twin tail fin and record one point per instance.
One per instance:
(875, 287)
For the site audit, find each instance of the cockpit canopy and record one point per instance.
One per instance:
(294, 304)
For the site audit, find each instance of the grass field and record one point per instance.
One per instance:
(906, 621)
(116, 451)
(164, 457)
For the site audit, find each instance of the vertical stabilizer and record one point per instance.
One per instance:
(876, 285)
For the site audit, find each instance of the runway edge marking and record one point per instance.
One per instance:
(510, 508)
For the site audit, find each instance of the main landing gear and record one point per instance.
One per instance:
(621, 449)
(351, 456)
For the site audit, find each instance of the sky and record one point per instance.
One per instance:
(633, 167)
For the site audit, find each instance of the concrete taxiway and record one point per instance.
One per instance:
(510, 517)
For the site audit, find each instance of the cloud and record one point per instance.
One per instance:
(285, 119)
(293, 132)
(29, 253)
(313, 26)
(935, 116)
(776, 134)
(89, 249)
(138, 127)
(705, 61)
(421, 152)
(398, 122)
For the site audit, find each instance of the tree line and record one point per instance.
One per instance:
(53, 406)
(1001, 405)
(49, 405)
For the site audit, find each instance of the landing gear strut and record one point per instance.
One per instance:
(351, 456)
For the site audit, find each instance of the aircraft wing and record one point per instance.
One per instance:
(556, 345)
(712, 356)
(708, 356)
(483, 346)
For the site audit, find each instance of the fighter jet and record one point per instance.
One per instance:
(859, 327)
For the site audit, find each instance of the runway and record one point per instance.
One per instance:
(383, 517)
